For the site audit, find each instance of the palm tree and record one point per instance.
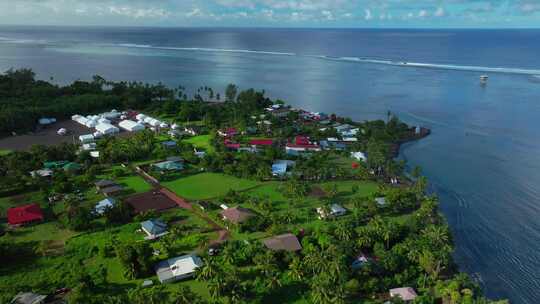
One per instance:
(208, 271)
(343, 232)
(296, 271)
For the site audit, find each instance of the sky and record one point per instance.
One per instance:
(275, 13)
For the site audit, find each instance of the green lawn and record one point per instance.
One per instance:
(18, 200)
(135, 182)
(208, 185)
(201, 142)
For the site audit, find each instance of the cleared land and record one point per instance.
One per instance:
(208, 185)
(201, 142)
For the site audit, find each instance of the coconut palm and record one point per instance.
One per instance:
(208, 271)
(296, 271)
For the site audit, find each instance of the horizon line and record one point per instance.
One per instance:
(272, 27)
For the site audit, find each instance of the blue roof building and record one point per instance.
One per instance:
(154, 228)
(279, 168)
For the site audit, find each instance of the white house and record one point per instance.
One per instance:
(178, 268)
(335, 210)
(106, 129)
(406, 294)
(131, 126)
(360, 156)
(89, 147)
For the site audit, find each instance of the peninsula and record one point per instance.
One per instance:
(116, 192)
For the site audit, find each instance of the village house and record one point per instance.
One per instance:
(280, 167)
(301, 144)
(406, 294)
(28, 298)
(359, 156)
(335, 211)
(169, 166)
(42, 173)
(103, 205)
(177, 268)
(236, 215)
(24, 215)
(154, 228)
(360, 261)
(228, 133)
(285, 242)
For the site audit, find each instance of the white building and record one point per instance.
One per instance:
(360, 156)
(335, 210)
(87, 138)
(107, 129)
(89, 147)
(131, 126)
(178, 268)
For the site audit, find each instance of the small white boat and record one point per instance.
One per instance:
(484, 78)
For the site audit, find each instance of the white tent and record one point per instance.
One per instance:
(61, 131)
(87, 138)
(90, 123)
(104, 120)
(131, 126)
(140, 116)
(106, 129)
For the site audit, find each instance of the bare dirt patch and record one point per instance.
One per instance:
(317, 192)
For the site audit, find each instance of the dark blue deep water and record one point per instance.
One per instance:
(483, 157)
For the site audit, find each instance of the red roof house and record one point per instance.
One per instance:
(302, 143)
(24, 215)
(261, 142)
(229, 132)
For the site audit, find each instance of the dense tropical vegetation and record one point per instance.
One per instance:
(102, 259)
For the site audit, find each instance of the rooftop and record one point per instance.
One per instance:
(288, 242)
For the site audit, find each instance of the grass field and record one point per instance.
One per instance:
(201, 142)
(208, 185)
(135, 182)
(4, 152)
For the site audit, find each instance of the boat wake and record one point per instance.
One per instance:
(361, 60)
(468, 68)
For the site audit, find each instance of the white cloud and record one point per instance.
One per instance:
(138, 13)
(423, 13)
(440, 12)
(195, 12)
(328, 15)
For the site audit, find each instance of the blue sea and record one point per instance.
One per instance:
(483, 157)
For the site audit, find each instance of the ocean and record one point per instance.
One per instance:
(482, 158)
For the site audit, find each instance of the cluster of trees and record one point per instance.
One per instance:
(23, 99)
